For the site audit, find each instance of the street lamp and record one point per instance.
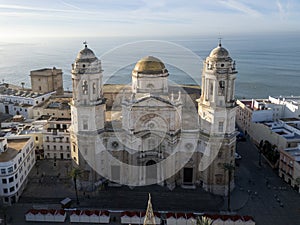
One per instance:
(230, 168)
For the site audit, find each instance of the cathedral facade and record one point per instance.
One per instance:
(153, 133)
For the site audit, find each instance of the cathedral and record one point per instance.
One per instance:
(154, 132)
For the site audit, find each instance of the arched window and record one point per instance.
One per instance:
(84, 87)
(221, 87)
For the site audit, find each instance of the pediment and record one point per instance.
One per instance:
(154, 101)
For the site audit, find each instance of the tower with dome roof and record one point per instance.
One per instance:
(87, 105)
(216, 109)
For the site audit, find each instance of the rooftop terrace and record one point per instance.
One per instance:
(14, 147)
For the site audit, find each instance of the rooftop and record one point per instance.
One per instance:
(7, 89)
(285, 130)
(257, 104)
(14, 147)
(295, 100)
(54, 102)
(294, 152)
(45, 72)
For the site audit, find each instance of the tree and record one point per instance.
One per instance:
(298, 182)
(76, 172)
(229, 168)
(203, 220)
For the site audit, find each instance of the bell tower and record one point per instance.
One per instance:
(216, 109)
(87, 105)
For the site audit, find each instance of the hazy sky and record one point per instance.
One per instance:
(19, 18)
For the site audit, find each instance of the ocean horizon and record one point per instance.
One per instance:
(267, 65)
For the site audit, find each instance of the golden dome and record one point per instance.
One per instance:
(150, 65)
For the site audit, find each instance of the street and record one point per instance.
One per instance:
(258, 192)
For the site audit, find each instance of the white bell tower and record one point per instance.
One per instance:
(217, 100)
(87, 106)
(216, 109)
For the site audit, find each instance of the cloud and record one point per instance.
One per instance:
(237, 5)
(22, 7)
(282, 9)
(70, 5)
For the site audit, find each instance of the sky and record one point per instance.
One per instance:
(79, 18)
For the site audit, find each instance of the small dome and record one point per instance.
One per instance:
(150, 65)
(86, 55)
(219, 52)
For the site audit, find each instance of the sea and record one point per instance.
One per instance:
(266, 64)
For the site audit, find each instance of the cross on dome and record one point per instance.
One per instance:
(85, 44)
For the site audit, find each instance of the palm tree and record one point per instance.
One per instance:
(203, 220)
(229, 168)
(76, 172)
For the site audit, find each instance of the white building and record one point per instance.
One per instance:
(150, 125)
(266, 110)
(284, 133)
(256, 110)
(291, 105)
(56, 139)
(18, 101)
(17, 158)
(289, 166)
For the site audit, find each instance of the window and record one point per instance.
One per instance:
(68, 148)
(11, 179)
(74, 148)
(84, 87)
(211, 88)
(11, 189)
(67, 139)
(5, 190)
(61, 147)
(221, 87)
(221, 126)
(40, 88)
(36, 138)
(48, 147)
(16, 176)
(17, 185)
(54, 147)
(15, 166)
(85, 125)
(10, 169)
(94, 88)
(4, 181)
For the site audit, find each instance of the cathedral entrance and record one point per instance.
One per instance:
(188, 175)
(151, 172)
